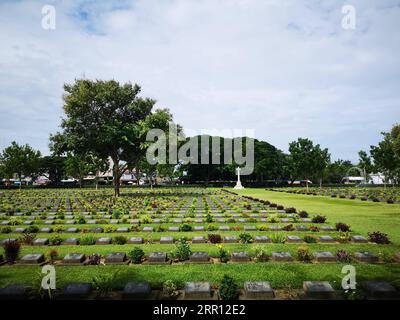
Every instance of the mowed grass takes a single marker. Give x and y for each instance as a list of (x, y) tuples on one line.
[(281, 275), (363, 217)]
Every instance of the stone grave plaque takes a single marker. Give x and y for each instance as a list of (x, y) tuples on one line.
[(281, 256), (198, 228), (240, 257), (379, 290), (230, 239), (198, 239), (197, 290), (148, 229), (123, 229), (115, 257), (301, 228), (135, 240), (318, 289), (103, 241), (359, 239), (262, 239), (157, 257), (249, 228), (327, 228), (224, 228), (74, 258), (324, 256), (32, 258), (293, 239), (366, 256), (77, 290), (71, 242), (71, 230), (13, 292), (136, 290), (173, 229), (41, 242), (258, 290), (45, 230), (326, 239), (20, 230), (199, 257), (275, 228), (167, 239)]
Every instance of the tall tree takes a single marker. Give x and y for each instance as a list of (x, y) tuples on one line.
[(365, 163), (308, 161), (78, 166), (386, 159), (52, 167), (104, 118), (21, 160)]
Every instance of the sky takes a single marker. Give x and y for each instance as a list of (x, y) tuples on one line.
[(285, 69)]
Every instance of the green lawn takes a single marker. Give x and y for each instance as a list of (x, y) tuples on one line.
[(363, 217)]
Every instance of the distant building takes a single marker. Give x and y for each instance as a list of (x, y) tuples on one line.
[(352, 180)]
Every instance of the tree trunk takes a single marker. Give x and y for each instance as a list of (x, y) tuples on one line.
[(116, 176)]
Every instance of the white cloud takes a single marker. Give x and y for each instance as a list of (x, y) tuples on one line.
[(284, 68)]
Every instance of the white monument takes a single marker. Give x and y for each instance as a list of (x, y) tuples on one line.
[(238, 183)]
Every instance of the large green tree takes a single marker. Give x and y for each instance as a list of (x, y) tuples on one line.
[(385, 157), (78, 166), (308, 161), (21, 160), (104, 118)]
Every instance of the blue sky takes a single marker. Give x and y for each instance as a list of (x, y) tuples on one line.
[(286, 69)]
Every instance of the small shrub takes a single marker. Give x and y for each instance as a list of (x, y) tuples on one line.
[(119, 240), (6, 230), (280, 207), (340, 226), (88, 240), (228, 289), (105, 283), (209, 218), (222, 253), (278, 238), (343, 237), (310, 239), (290, 210), (318, 219), (288, 227), (343, 256), (81, 220), (387, 257), (182, 250), (11, 250), (32, 229), (185, 228), (211, 227), (304, 254), (136, 255), (109, 229), (260, 254), (214, 238), (28, 238), (245, 238), (56, 241), (390, 201), (379, 237), (52, 254), (169, 288), (314, 229)]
